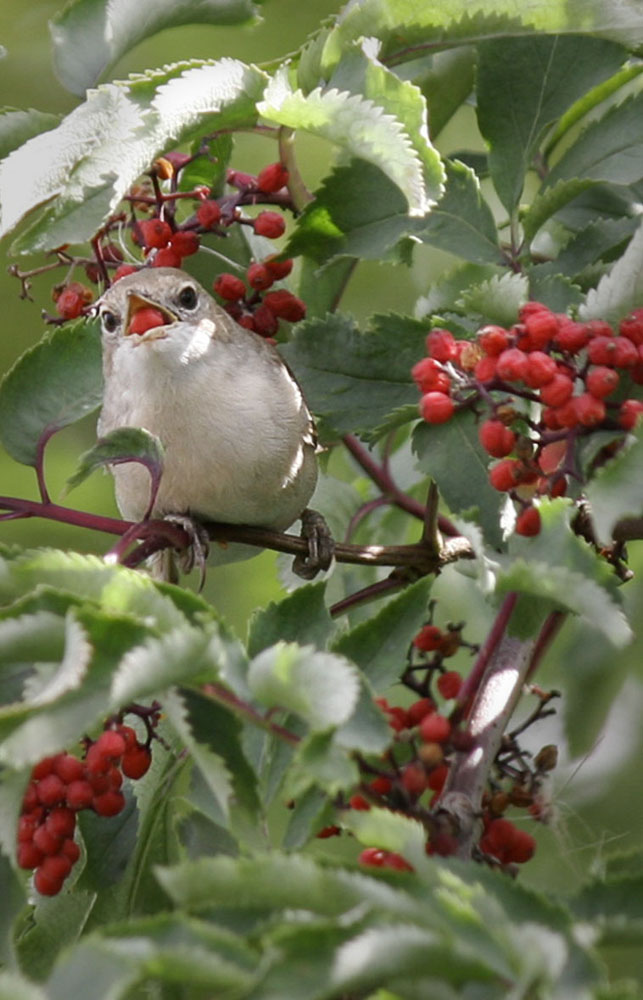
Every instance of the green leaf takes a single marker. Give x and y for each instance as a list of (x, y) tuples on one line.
[(182, 654), (358, 125), (125, 444), (351, 379), (379, 646), (451, 455), (608, 150), (322, 688), (588, 245), (462, 222), (390, 831), (621, 290), (13, 986), (89, 36), (17, 126), (321, 288), (498, 299), (549, 201), (402, 24), (358, 211), (73, 171), (52, 385), (616, 491), (516, 108), (301, 617), (556, 291), (446, 83), (319, 761)]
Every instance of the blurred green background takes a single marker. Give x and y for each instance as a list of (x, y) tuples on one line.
[(600, 805)]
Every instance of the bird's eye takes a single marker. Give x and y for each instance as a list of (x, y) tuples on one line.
[(188, 297), (110, 321)]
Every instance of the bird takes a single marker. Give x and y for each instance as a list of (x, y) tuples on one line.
[(239, 440)]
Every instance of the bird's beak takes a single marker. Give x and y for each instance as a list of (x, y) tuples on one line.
[(145, 317)]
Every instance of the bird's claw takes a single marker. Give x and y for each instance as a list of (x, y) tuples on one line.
[(321, 546), (196, 553)]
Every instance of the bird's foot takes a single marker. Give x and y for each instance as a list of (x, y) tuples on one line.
[(195, 554), (321, 546)]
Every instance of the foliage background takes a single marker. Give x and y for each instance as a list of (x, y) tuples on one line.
[(599, 794)]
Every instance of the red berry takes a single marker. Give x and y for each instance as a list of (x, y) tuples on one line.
[(436, 408), (122, 272), (229, 287), (359, 802), (46, 886), (449, 684), (61, 822), (114, 778), (512, 365), (632, 327), (630, 413), (493, 340), (485, 369), (381, 785), (437, 777), (129, 735), (111, 744), (540, 324), (79, 795), (541, 369), (626, 354), (328, 831), (56, 866), (29, 856), (414, 779), (46, 841), (505, 475), (567, 415), (272, 178), (430, 376), (372, 856), (70, 849), (270, 225), (589, 409), (154, 233), (558, 391), (68, 768), (571, 336), (167, 257), (416, 712), (435, 728), (442, 844), (602, 350), (441, 346), (397, 862), (185, 243), (285, 305), (50, 790), (96, 762), (27, 824), (279, 269), (601, 381), (30, 798), (109, 803), (208, 214), (528, 522), (145, 319), (397, 719), (72, 300), (496, 439), (428, 638), (265, 322), (136, 762), (259, 277)]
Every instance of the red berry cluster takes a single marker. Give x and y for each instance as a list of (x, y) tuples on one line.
[(62, 785), (166, 247), (568, 368), (72, 299), (506, 843), (376, 858), (250, 307)]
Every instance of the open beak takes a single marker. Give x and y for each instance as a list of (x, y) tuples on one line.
[(145, 318)]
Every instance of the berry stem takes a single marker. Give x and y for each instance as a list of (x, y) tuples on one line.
[(498, 693), (299, 193)]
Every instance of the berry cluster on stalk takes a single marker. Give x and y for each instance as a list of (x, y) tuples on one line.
[(537, 387), (426, 736), (162, 240), (62, 785)]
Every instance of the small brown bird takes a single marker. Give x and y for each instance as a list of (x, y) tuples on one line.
[(239, 439)]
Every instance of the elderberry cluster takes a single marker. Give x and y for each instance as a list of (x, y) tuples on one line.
[(165, 242), (426, 736), (540, 385), (62, 785)]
